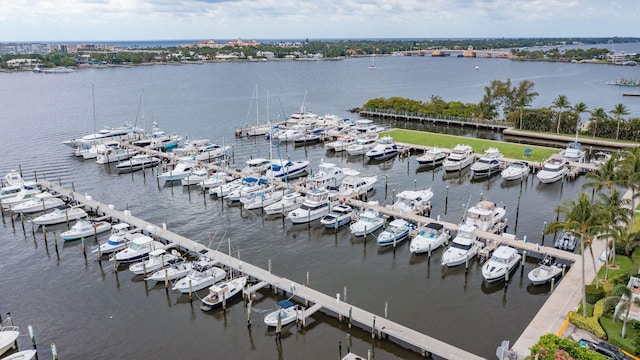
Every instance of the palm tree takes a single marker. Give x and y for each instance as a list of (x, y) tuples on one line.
[(596, 115), (618, 111), (583, 219), (615, 221), (630, 173), (606, 175), (622, 295), (560, 103), (579, 108), (523, 96)]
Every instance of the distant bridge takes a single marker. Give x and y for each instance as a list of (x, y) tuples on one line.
[(458, 52)]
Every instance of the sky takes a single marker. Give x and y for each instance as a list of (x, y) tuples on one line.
[(123, 20)]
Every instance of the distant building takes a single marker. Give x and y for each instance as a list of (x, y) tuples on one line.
[(266, 54), (620, 58), (23, 48), (212, 44)]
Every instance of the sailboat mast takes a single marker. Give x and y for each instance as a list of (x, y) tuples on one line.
[(257, 111)]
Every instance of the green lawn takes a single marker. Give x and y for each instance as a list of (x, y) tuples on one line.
[(509, 150)]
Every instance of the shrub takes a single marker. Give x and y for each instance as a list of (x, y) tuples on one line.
[(594, 294), (590, 324), (551, 347)]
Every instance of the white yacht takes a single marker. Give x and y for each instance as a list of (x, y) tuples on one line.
[(433, 157), (315, 205), (41, 202), (328, 176), (128, 131), (202, 275), (285, 169), (289, 202), (573, 153), (261, 199), (396, 231), (117, 240), (429, 238), (138, 162), (384, 149), (485, 215), (59, 215), (256, 167), (488, 164), (408, 201), (158, 259), (197, 176), (368, 221), (362, 145), (84, 229), (184, 167), (354, 184), (460, 157), (211, 152), (341, 143), (175, 270), (108, 155), (137, 249), (503, 260), (552, 170), (463, 247), (25, 194), (222, 292), (517, 170), (339, 215)]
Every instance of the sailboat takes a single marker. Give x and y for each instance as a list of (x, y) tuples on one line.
[(258, 129), (373, 62)]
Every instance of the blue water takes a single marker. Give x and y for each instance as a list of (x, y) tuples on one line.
[(89, 311)]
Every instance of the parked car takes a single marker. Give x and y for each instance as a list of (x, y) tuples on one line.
[(607, 350)]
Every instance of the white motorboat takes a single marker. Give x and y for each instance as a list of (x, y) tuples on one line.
[(566, 241), (600, 157), (517, 170), (59, 215), (114, 155), (368, 221), (328, 176), (485, 215), (289, 202), (573, 153), (384, 149), (214, 180), (354, 184), (341, 143), (408, 201), (362, 145), (285, 169), (249, 186), (91, 152), (125, 132), (294, 133), (503, 260), (138, 248), (222, 292), (552, 170), (546, 270), (223, 190), (256, 167), (260, 199), (138, 162), (315, 205), (25, 194), (286, 312), (429, 238), (174, 270), (13, 184), (459, 158), (22, 355), (184, 167), (8, 337), (84, 229), (158, 259), (197, 176), (433, 157), (202, 275), (41, 202), (340, 214), (396, 231), (13, 178), (463, 247), (488, 164), (211, 152), (158, 139), (117, 240)]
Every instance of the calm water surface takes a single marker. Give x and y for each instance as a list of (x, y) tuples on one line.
[(90, 311)]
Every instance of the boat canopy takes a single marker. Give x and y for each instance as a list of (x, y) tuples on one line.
[(435, 226), (284, 304)]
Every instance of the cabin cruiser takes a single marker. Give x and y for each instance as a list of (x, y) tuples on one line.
[(117, 240), (463, 247), (128, 131), (429, 238), (503, 260), (338, 215), (158, 259), (552, 170), (25, 194), (285, 169), (138, 248), (222, 292), (433, 157), (184, 167), (59, 215), (411, 200), (600, 157), (197, 176), (485, 215), (368, 221), (315, 205), (138, 162), (362, 145), (329, 176), (573, 153), (289, 202), (249, 186), (261, 198), (517, 170), (256, 167), (354, 184), (341, 143), (396, 231), (203, 274), (40, 202), (211, 152), (488, 164), (384, 149), (85, 228), (459, 158)]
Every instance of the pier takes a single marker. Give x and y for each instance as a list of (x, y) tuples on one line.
[(433, 119)]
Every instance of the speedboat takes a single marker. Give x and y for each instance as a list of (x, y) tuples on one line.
[(289, 202), (398, 230), (546, 270), (463, 247), (197, 176), (184, 167), (431, 237), (202, 275), (85, 228), (552, 171), (158, 259), (459, 158), (517, 170), (488, 164), (566, 241), (338, 215), (8, 337), (328, 176), (432, 157), (315, 205), (175, 269), (222, 292), (138, 248), (138, 162), (281, 169), (354, 184), (286, 312), (22, 355), (411, 200), (117, 240), (260, 199), (503, 260), (41, 202), (384, 149), (362, 145), (485, 215), (573, 153), (368, 221), (59, 215)]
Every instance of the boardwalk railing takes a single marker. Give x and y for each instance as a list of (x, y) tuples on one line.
[(415, 116)]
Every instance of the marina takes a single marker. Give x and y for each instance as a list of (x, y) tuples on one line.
[(377, 282)]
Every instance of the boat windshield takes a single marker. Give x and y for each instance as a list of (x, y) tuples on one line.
[(460, 246)]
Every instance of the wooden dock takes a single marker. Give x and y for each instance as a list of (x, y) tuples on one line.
[(378, 325)]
